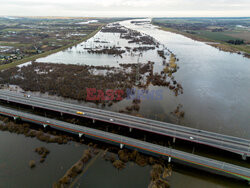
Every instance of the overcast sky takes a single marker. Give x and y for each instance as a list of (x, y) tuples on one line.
[(149, 8)]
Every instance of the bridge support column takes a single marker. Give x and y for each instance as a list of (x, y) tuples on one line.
[(244, 157), (80, 135), (130, 129), (193, 150), (61, 114), (121, 146), (169, 159), (174, 140), (33, 107), (93, 120), (44, 125)]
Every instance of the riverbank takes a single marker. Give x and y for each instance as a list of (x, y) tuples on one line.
[(217, 44), (34, 57)]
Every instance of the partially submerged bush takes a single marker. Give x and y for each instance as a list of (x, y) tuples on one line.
[(32, 164), (119, 164), (123, 156)]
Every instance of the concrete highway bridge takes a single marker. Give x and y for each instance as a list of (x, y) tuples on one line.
[(229, 143), (210, 165)]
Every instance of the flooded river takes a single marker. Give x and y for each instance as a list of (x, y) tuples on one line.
[(17, 150), (216, 84), (216, 88)]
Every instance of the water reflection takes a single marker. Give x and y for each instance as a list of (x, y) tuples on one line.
[(216, 84), (17, 150)]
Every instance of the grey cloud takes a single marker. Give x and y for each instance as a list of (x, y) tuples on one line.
[(121, 7)]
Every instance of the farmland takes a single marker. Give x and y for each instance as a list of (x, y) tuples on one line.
[(230, 34), (26, 39)]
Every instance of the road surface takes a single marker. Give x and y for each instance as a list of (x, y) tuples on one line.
[(204, 163), (229, 143)]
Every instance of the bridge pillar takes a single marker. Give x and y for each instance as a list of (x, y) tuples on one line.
[(174, 140), (130, 129), (16, 118), (93, 120), (121, 146), (44, 125), (33, 107), (244, 157), (193, 150), (169, 159), (80, 135), (61, 114)]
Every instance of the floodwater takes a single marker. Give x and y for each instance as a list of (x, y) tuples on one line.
[(216, 84), (17, 150), (216, 98)]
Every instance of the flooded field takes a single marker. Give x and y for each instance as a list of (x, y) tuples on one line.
[(215, 83), (212, 94), (17, 150)]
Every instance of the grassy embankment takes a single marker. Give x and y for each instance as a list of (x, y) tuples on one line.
[(34, 57), (215, 43)]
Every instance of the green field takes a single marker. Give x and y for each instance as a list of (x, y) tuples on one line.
[(219, 30), (220, 36), (34, 57)]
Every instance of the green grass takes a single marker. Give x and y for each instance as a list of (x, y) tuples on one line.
[(176, 21), (219, 36), (243, 48), (224, 46), (15, 30), (14, 44), (34, 57)]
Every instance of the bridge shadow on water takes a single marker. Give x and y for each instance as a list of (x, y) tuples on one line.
[(182, 145)]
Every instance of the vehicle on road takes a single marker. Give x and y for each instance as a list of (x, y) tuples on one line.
[(80, 113)]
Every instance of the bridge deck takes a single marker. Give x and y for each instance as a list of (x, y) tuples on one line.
[(225, 142), (191, 159)]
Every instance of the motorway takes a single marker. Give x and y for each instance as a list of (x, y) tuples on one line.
[(204, 163), (225, 142)]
